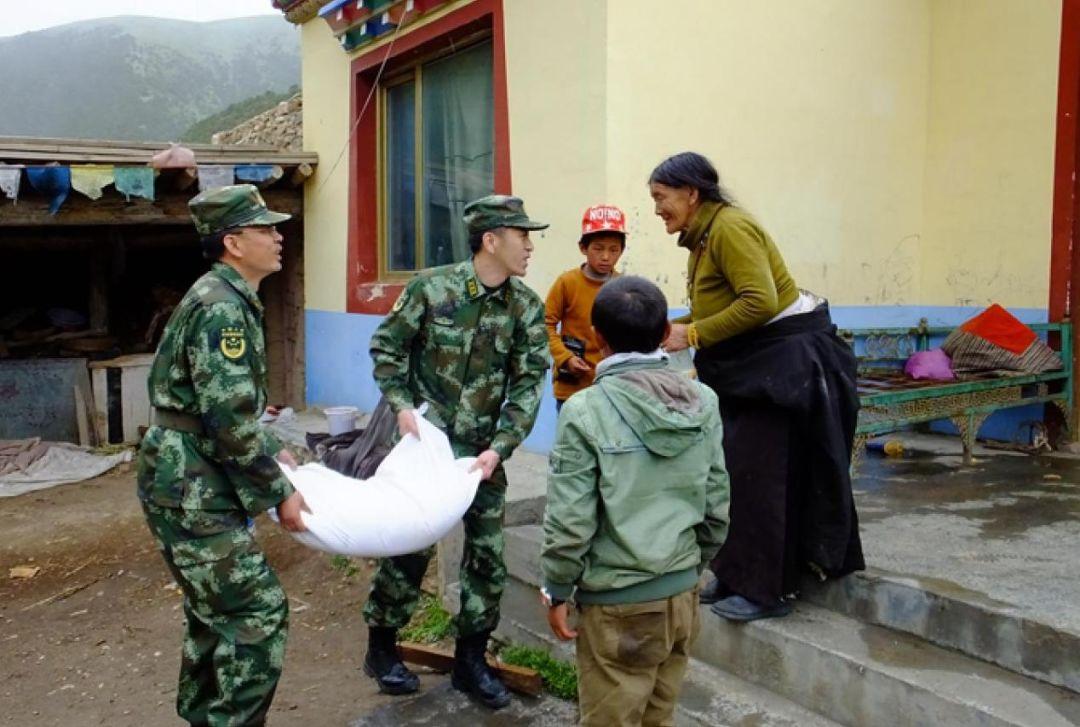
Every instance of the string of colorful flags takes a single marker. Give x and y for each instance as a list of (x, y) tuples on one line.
[(56, 181), (358, 22)]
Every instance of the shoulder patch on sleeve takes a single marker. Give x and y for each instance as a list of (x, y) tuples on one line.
[(233, 343), (400, 302)]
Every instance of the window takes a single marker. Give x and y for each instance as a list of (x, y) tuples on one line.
[(437, 135), (418, 60)]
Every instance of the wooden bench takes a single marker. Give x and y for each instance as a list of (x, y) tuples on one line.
[(891, 401)]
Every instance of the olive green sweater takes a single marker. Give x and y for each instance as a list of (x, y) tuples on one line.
[(736, 279)]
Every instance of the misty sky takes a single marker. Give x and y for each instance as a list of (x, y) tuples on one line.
[(22, 17)]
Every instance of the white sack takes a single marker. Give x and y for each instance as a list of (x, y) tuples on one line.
[(415, 497)]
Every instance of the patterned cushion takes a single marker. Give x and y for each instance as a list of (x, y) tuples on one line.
[(995, 340)]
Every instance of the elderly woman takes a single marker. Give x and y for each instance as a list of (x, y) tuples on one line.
[(786, 384)]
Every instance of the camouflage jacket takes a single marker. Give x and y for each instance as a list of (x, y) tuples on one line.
[(477, 357), (211, 366)]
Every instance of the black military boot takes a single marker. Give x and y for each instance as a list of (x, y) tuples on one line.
[(472, 674), (383, 663)]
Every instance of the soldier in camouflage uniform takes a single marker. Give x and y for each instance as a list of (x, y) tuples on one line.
[(206, 466), (469, 340)]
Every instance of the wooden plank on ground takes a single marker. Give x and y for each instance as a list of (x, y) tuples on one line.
[(517, 678)]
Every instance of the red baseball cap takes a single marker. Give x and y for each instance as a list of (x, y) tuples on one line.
[(603, 218)]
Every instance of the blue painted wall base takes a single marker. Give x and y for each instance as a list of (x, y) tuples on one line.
[(339, 367)]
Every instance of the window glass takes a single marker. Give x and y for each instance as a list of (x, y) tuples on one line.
[(401, 176), (455, 160), (458, 121)]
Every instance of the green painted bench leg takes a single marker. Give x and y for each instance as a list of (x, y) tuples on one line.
[(969, 425)]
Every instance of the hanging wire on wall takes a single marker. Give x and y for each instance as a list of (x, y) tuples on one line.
[(364, 108)]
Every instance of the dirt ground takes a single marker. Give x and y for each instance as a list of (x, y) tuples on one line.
[(94, 637)]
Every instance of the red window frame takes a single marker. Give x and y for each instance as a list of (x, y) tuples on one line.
[(365, 293)]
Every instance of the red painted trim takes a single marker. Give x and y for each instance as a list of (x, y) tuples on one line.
[(1065, 232), (364, 292), (1065, 225), (501, 102)]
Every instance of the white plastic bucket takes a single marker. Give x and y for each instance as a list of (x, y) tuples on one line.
[(340, 419)]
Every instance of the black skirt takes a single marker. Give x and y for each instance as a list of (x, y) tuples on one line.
[(789, 404)]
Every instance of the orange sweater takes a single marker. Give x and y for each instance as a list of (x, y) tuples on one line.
[(568, 312)]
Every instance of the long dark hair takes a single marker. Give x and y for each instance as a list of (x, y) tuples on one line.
[(690, 169)]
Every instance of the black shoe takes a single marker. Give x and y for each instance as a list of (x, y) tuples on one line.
[(713, 592), (737, 608), (472, 674), (384, 665)]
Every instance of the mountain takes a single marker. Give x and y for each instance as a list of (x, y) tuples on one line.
[(140, 78), (237, 113)]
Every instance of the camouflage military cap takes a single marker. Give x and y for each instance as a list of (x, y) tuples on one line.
[(499, 210), (226, 208)]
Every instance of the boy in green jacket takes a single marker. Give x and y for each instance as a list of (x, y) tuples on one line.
[(637, 505)]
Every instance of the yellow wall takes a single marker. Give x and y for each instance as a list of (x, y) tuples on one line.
[(899, 151), (558, 121), (990, 152), (815, 120), (325, 77)]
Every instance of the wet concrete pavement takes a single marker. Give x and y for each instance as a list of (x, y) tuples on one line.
[(1005, 531), (444, 705)]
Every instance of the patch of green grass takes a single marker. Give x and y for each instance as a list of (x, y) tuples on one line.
[(560, 677), (344, 565), (429, 624)]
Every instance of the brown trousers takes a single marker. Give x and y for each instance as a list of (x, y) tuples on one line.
[(631, 660)]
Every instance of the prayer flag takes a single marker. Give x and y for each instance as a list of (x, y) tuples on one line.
[(90, 179), (212, 176), (254, 173), (54, 182), (135, 182), (10, 176)]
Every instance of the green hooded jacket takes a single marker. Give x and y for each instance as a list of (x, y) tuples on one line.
[(637, 499)]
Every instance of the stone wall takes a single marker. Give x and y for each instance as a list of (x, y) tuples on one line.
[(281, 126)]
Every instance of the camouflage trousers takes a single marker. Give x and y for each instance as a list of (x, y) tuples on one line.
[(236, 613), (395, 589)]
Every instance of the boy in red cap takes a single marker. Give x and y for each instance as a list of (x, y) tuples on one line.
[(569, 302)]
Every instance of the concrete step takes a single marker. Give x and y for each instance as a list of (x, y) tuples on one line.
[(526, 492), (522, 554), (852, 672), (710, 695), (955, 617), (861, 674)]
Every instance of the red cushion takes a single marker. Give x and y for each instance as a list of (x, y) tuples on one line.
[(1002, 328)]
